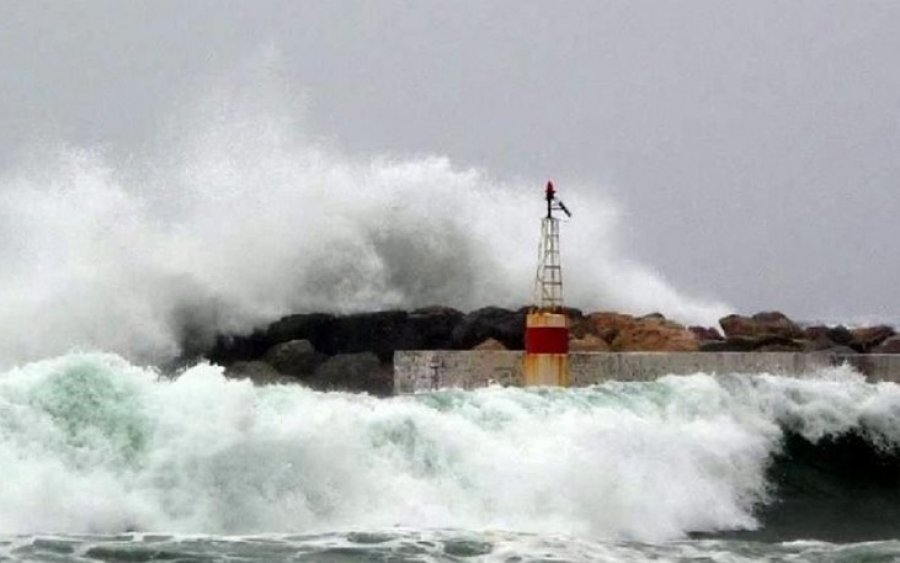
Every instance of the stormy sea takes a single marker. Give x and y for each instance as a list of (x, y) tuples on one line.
[(104, 460), (114, 263)]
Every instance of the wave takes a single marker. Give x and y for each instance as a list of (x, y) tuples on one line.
[(235, 216), (94, 444)]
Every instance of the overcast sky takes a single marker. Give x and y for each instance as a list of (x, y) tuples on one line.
[(753, 147)]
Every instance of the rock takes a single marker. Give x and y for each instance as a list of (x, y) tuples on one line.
[(785, 346), (866, 338), (233, 348), (382, 333), (760, 325), (579, 327), (826, 337), (656, 316), (839, 350), (490, 344), (361, 372), (491, 322), (729, 345), (295, 357), (741, 344), (706, 333), (260, 373), (433, 327), (891, 345), (840, 335), (651, 334), (816, 332), (317, 328), (589, 343), (607, 325)]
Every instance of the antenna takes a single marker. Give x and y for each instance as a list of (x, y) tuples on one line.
[(546, 324), (548, 280)]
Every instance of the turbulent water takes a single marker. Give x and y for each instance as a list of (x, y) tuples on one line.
[(236, 215), (106, 460)]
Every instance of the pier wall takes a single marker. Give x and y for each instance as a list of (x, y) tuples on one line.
[(433, 369)]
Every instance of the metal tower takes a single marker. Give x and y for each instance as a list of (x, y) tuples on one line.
[(546, 325), (548, 283)]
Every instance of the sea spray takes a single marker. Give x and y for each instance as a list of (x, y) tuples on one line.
[(238, 216), (203, 454)]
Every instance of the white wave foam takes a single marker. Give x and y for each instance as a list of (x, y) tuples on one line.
[(237, 218), (90, 443)]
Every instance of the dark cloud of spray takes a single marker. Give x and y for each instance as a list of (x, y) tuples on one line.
[(236, 217)]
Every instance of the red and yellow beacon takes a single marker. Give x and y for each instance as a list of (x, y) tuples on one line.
[(547, 326)]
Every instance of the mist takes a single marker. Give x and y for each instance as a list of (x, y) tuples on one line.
[(237, 216)]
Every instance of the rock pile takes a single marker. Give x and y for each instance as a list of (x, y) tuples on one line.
[(355, 352)]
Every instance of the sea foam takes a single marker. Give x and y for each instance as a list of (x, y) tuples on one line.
[(91, 443)]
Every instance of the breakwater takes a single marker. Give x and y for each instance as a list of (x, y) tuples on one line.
[(357, 352), (433, 369)]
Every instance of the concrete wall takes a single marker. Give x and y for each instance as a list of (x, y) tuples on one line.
[(421, 370)]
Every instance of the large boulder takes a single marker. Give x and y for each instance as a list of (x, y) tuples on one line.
[(654, 334), (432, 327), (816, 332), (589, 343), (867, 338), (579, 325), (296, 357), (650, 333), (823, 337), (729, 345), (840, 335), (607, 324), (705, 334), (361, 372), (229, 348), (889, 346), (785, 346), (317, 328), (381, 332), (491, 322), (490, 344), (260, 373), (761, 325)]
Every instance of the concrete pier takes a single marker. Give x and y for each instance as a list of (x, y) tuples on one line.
[(433, 369)]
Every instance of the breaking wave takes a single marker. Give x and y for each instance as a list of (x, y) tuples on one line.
[(92, 443), (236, 216)]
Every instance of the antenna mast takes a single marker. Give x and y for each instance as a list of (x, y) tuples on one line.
[(546, 325), (548, 284)]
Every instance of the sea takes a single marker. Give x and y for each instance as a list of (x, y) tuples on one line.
[(104, 460)]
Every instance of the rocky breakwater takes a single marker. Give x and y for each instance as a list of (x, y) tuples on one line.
[(774, 332), (355, 352)]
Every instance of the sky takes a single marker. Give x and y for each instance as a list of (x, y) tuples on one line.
[(752, 148)]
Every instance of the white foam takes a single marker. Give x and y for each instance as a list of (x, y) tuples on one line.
[(90, 443), (238, 217)]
